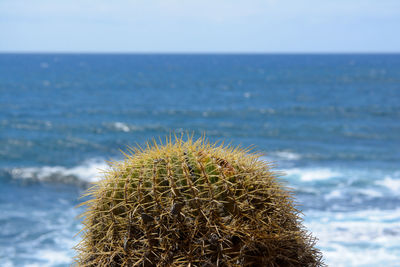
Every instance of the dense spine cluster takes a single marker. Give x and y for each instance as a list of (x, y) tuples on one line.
[(191, 203)]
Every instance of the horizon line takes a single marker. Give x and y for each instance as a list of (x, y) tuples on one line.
[(194, 53)]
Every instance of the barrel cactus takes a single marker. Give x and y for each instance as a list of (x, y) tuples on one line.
[(192, 203)]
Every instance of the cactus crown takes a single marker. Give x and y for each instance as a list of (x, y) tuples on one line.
[(192, 203)]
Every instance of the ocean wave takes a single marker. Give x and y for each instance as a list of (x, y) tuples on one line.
[(390, 183), (327, 182), (353, 194), (127, 127), (121, 126), (51, 257), (89, 171), (361, 238), (339, 188), (41, 228), (312, 174), (286, 155)]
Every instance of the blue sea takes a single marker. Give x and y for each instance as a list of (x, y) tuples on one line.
[(331, 123)]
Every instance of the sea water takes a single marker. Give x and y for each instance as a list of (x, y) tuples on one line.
[(331, 123)]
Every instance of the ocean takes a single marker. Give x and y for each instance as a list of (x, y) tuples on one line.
[(331, 123)]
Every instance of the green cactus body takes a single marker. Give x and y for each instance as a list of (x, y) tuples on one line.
[(191, 203)]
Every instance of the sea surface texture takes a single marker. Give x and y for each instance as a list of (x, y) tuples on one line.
[(331, 123)]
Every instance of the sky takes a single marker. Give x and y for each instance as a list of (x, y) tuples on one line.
[(206, 26)]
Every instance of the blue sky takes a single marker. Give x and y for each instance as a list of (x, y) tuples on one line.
[(171, 26)]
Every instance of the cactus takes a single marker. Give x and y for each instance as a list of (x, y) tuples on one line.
[(192, 203)]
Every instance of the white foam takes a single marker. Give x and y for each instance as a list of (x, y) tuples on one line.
[(287, 155), (359, 238), (334, 194), (370, 192), (89, 171), (126, 127), (121, 126), (53, 257), (311, 174), (390, 183), (341, 256)]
